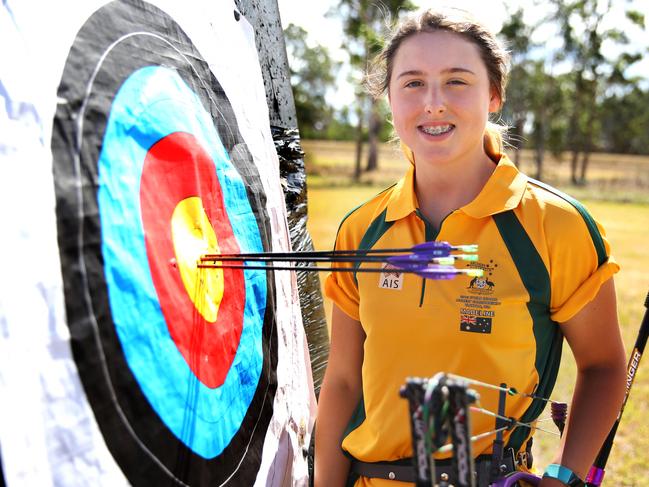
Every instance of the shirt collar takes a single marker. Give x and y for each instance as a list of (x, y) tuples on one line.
[(504, 189), (403, 200)]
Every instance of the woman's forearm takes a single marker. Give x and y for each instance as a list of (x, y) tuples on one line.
[(336, 405), (594, 338), (340, 394), (596, 402)]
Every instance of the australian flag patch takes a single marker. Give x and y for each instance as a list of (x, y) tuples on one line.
[(475, 324)]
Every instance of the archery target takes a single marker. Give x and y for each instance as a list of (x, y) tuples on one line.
[(150, 173)]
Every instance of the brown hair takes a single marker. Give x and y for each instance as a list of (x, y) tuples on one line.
[(494, 56)]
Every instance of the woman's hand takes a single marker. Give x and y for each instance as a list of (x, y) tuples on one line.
[(548, 482)]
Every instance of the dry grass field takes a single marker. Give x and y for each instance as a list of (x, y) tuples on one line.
[(617, 195)]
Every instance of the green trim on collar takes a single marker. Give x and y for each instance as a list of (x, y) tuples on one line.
[(374, 232), (598, 240)]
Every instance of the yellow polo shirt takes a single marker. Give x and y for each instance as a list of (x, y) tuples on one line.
[(544, 258)]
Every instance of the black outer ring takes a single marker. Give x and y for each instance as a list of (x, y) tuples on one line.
[(146, 451)]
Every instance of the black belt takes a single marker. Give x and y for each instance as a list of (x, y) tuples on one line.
[(403, 470)]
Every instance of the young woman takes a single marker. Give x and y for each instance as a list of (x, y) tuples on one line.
[(548, 275)]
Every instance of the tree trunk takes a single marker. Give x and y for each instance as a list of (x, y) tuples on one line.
[(590, 127), (517, 158), (359, 143), (540, 147), (585, 159), (573, 166), (585, 154), (576, 136), (518, 140), (541, 138), (373, 137), (540, 155)]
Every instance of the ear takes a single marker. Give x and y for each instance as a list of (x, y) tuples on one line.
[(495, 103)]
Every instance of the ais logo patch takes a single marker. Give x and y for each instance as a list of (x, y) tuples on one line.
[(391, 278)]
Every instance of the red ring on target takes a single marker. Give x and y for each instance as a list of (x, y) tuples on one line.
[(182, 204)]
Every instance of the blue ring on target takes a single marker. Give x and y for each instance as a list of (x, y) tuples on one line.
[(152, 103)]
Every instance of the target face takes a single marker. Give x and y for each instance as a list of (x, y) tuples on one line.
[(151, 172)]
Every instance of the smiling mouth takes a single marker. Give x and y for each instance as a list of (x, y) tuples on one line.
[(437, 129)]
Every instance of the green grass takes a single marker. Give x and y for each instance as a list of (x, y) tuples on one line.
[(611, 177), (331, 197)]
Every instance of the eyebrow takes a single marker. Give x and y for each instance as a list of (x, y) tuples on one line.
[(416, 72)]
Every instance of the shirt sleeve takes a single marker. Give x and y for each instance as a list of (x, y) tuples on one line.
[(580, 262), (341, 287)]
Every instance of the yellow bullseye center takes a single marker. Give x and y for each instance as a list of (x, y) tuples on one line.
[(193, 236)]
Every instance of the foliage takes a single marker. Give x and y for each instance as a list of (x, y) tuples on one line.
[(571, 93), (575, 109), (586, 27), (516, 35), (365, 24), (313, 74), (625, 122), (341, 128), (518, 107)]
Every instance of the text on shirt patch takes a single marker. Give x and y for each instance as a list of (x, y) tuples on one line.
[(477, 308), (391, 278)]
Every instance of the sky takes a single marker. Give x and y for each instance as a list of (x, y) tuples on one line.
[(327, 30)]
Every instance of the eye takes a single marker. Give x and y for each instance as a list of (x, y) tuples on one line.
[(413, 84), (458, 82)]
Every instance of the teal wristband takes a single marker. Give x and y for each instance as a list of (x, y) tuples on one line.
[(563, 474)]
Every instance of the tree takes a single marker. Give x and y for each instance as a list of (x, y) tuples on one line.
[(548, 103), (535, 98), (341, 127), (364, 24), (584, 32), (313, 74), (625, 122), (517, 36)]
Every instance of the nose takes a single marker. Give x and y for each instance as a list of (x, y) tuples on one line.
[(435, 102)]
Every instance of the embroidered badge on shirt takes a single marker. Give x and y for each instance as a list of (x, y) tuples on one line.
[(391, 278), (478, 307), (484, 284), (475, 324)]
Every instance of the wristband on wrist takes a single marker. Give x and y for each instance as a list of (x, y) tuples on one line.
[(563, 474)]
